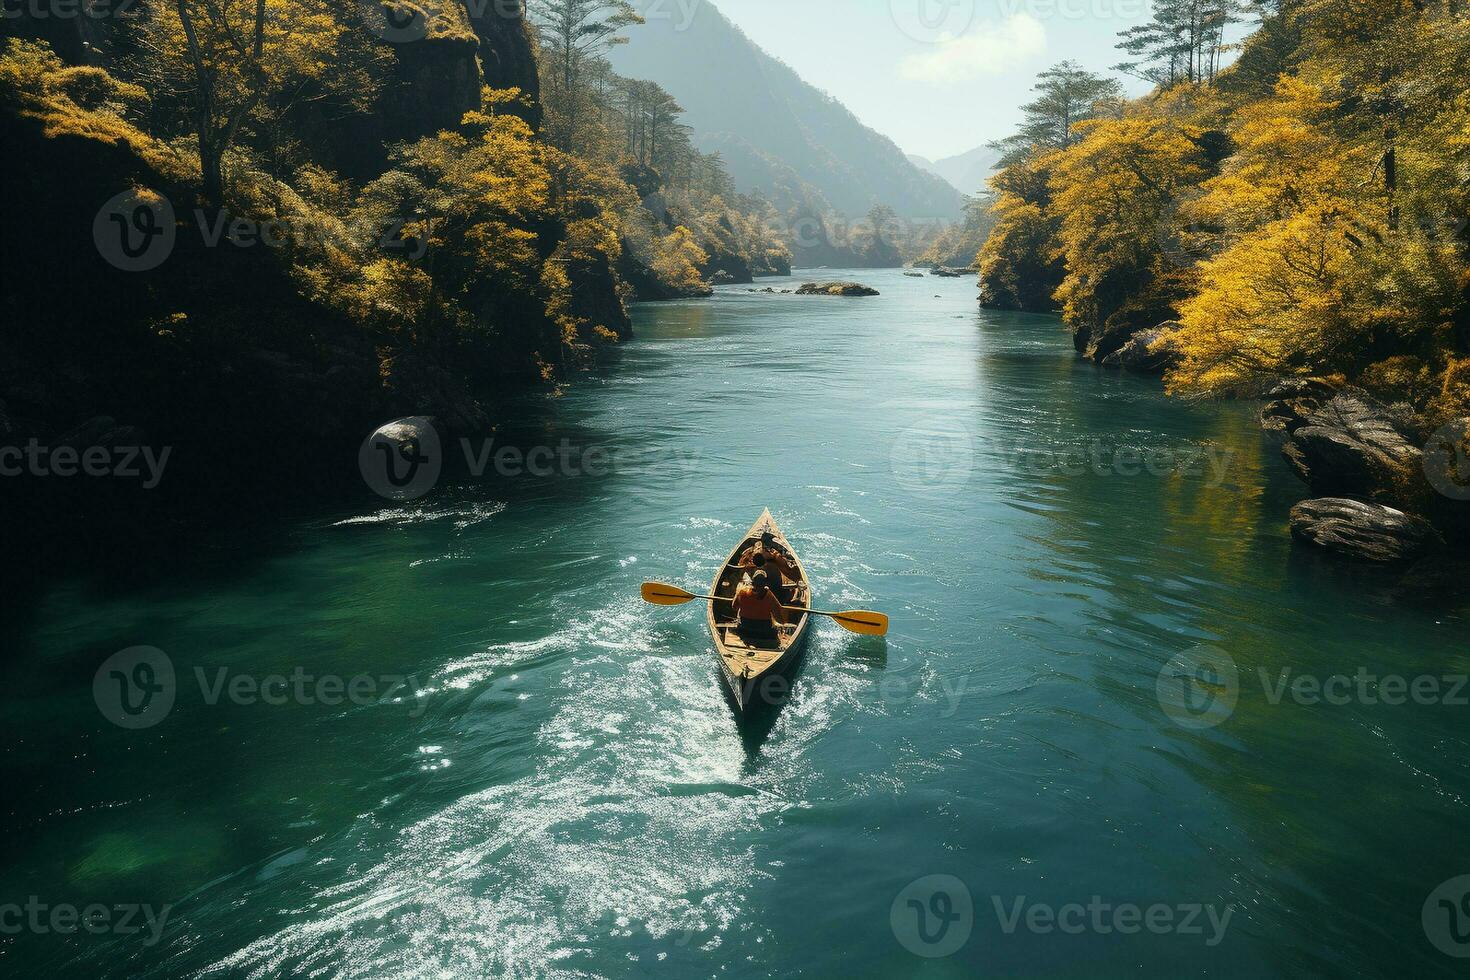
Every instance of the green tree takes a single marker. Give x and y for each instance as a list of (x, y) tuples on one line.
[(575, 34), (1066, 94), (1184, 41)]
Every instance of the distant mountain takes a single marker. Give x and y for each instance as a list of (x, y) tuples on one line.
[(966, 172), (779, 136)]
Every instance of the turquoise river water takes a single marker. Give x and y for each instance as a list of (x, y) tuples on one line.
[(557, 786)]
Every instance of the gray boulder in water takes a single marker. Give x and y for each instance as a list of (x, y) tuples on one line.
[(1369, 531), (1146, 352), (836, 289)]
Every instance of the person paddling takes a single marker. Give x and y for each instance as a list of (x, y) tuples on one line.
[(757, 608), (769, 557)]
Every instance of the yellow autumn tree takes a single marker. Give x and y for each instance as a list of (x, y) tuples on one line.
[(226, 66), (1337, 226), (1117, 191), (1274, 303), (677, 260), (1021, 262)]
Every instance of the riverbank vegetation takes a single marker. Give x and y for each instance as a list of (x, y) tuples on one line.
[(685, 225), (366, 211), (1300, 211)]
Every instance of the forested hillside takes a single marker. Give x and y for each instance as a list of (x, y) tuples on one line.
[(797, 147), (298, 216), (1296, 223), (1302, 211), (690, 225)]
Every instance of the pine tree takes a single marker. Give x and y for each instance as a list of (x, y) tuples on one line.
[(1066, 94), (575, 34), (1183, 43)]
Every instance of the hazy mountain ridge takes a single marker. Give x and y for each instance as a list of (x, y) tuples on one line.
[(780, 136), (966, 172)]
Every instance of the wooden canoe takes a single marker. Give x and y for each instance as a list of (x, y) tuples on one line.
[(749, 665)]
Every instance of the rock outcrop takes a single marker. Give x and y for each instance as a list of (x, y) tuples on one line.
[(1370, 531), (1365, 462), (1293, 401), (1118, 312), (436, 77), (1351, 446), (836, 289), (508, 54), (1146, 352), (649, 288), (944, 272)]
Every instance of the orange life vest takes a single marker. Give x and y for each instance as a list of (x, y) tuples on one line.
[(753, 609)]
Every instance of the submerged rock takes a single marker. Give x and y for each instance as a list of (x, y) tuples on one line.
[(836, 289), (914, 275), (1370, 531)]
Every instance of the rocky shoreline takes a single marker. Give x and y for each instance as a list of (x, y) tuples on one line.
[(1385, 486)]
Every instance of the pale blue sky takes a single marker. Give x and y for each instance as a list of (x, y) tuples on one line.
[(939, 77)]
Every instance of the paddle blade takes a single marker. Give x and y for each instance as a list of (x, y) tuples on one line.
[(863, 622), (661, 594)]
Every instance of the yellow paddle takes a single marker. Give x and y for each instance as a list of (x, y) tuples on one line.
[(859, 621)]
